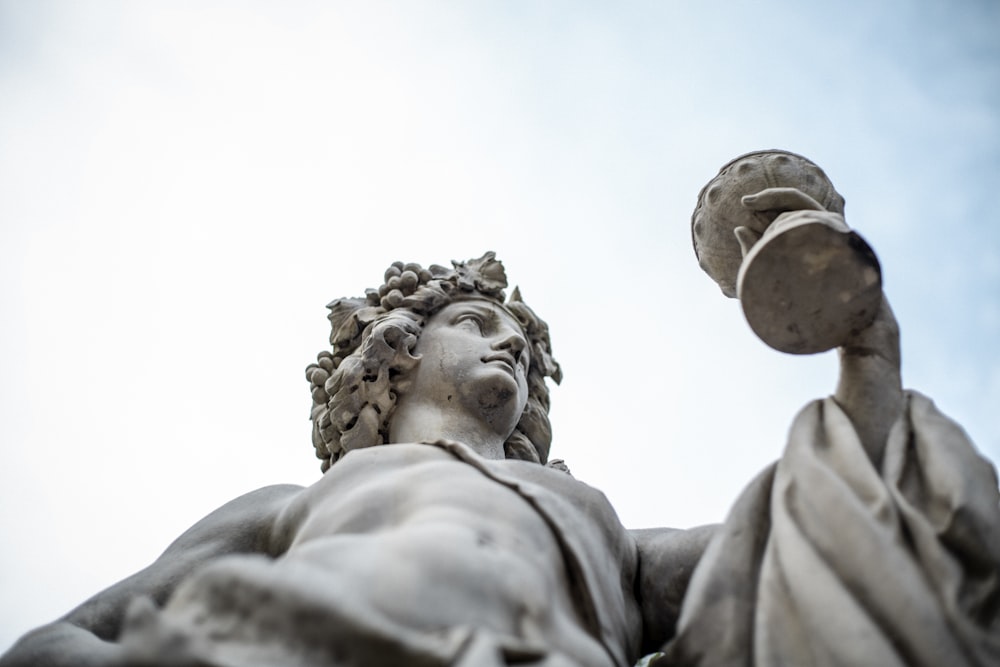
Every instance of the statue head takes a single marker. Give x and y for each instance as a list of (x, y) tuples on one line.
[(355, 385)]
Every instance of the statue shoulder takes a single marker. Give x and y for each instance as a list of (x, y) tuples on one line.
[(246, 524)]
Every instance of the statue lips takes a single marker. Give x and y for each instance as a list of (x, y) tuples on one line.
[(504, 358)]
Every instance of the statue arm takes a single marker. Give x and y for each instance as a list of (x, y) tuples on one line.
[(87, 635), (667, 558), (869, 388)]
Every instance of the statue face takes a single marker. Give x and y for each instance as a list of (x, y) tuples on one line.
[(474, 356)]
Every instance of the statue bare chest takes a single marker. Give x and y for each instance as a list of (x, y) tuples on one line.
[(410, 523), (409, 487)]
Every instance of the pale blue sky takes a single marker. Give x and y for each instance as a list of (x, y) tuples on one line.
[(183, 186)]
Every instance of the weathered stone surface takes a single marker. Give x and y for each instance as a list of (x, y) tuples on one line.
[(721, 209), (442, 534), (808, 284), (875, 539)]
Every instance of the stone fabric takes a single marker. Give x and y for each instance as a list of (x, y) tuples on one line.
[(825, 560)]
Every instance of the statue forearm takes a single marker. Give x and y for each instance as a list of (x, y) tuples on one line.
[(667, 558), (870, 387)]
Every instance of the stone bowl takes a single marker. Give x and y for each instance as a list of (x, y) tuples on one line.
[(808, 282), (808, 286), (719, 210)]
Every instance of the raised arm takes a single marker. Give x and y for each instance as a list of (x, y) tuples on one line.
[(87, 635), (869, 387)]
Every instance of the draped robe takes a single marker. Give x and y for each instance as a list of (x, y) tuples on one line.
[(825, 560)]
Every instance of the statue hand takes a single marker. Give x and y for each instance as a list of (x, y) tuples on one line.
[(792, 218), (781, 200), (807, 283), (786, 207), (791, 205)]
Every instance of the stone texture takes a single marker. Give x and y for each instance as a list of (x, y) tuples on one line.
[(827, 560), (720, 209), (875, 539), (441, 533)]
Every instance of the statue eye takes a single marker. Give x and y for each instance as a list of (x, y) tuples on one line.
[(477, 320)]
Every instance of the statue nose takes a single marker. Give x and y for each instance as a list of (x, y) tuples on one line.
[(513, 342)]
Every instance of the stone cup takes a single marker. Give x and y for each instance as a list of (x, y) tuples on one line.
[(806, 282)]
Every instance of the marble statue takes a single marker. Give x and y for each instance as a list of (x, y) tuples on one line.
[(874, 540), (458, 544)]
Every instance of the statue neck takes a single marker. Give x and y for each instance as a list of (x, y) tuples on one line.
[(413, 421)]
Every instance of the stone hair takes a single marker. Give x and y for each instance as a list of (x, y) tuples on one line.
[(354, 386)]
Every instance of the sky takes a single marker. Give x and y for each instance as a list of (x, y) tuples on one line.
[(185, 185)]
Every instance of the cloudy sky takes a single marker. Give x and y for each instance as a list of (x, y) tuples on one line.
[(185, 185)]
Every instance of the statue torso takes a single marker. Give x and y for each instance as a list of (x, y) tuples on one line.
[(433, 542)]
